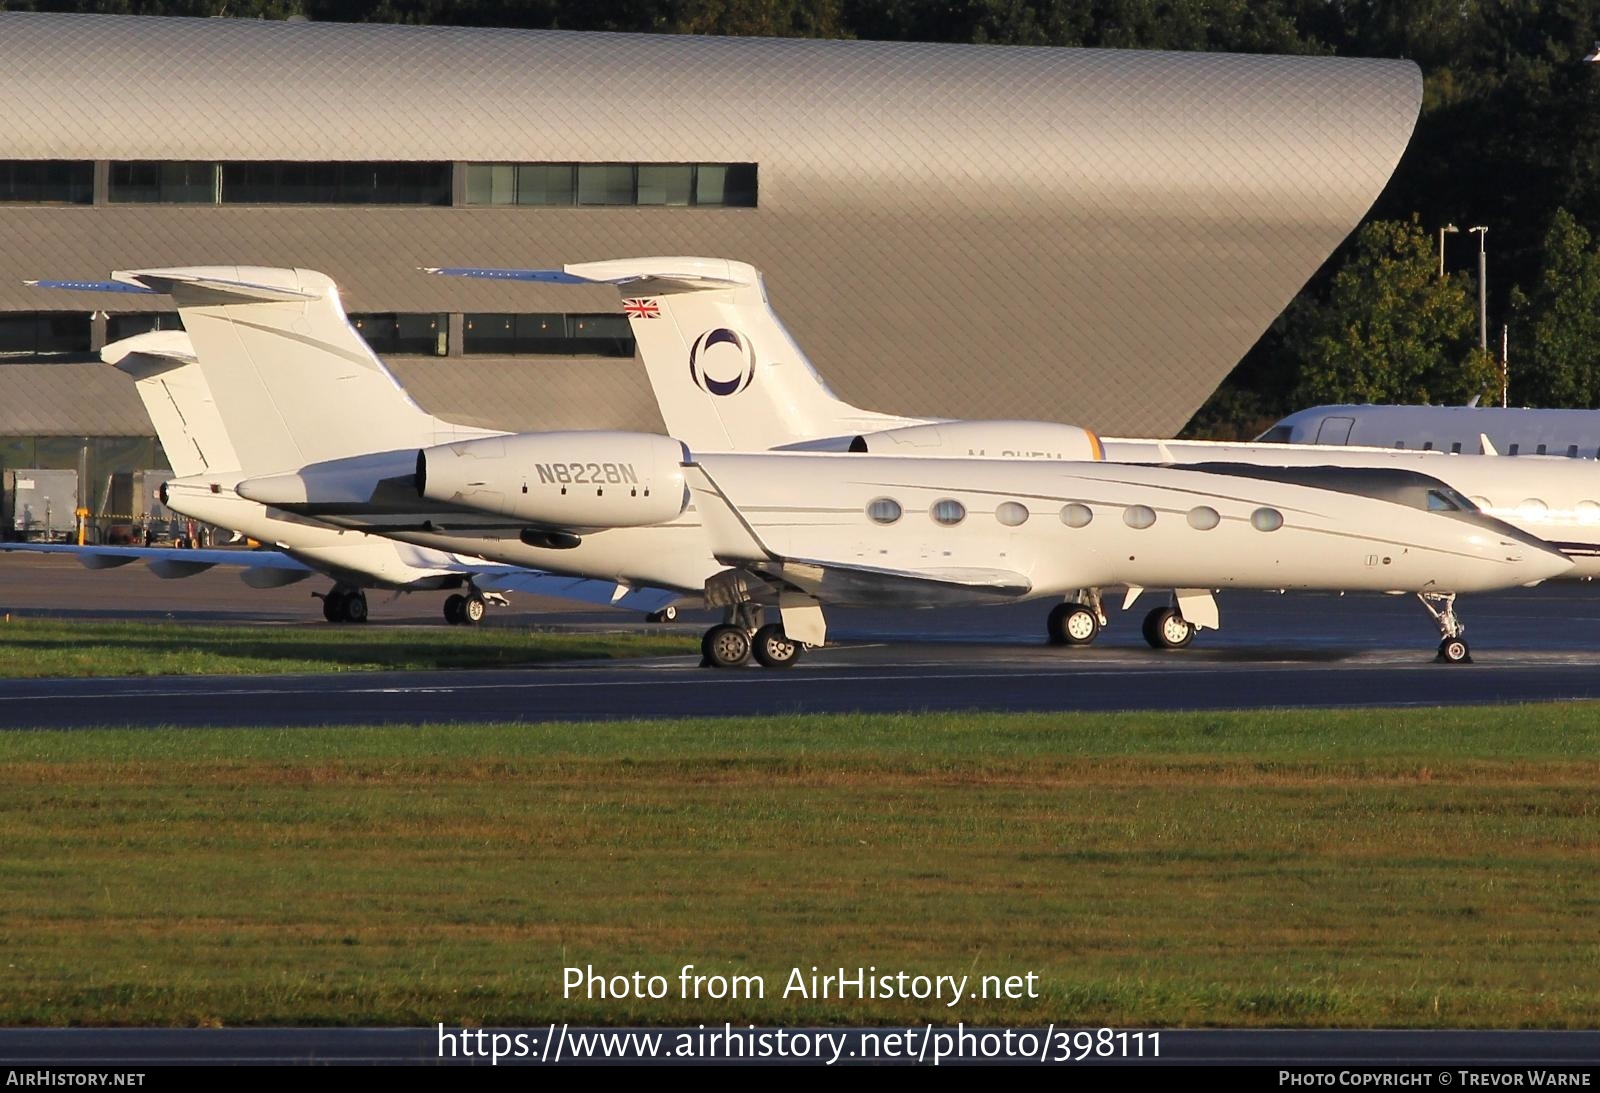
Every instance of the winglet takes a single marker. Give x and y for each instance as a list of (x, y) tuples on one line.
[(1486, 446)]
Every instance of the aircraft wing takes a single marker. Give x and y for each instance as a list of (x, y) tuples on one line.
[(582, 589), (172, 563), (169, 562), (847, 584)]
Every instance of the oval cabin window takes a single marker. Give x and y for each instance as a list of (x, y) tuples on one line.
[(1265, 519)]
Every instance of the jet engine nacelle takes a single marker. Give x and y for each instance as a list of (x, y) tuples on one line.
[(578, 480), (995, 439)]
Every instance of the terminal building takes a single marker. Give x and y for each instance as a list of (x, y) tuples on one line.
[(961, 231)]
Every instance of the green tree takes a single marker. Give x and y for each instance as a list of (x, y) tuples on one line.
[(1391, 329), (1557, 325)]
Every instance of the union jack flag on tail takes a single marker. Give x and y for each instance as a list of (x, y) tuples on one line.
[(641, 309)]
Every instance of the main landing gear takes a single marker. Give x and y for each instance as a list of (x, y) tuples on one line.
[(341, 604), (666, 614), (730, 644), (1078, 621), (1166, 628), (1452, 646), (466, 610)]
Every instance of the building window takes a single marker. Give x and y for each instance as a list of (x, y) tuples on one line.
[(46, 181), (601, 184), (275, 183), (424, 335), (555, 335), (126, 326), (172, 182), (43, 333)]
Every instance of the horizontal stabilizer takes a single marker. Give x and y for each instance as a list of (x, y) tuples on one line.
[(94, 286), (222, 283), (662, 275), (149, 353)]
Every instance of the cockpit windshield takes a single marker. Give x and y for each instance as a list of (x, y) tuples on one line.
[(1445, 499)]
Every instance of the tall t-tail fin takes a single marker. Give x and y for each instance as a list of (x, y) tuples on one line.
[(725, 372), (175, 394), (292, 379)]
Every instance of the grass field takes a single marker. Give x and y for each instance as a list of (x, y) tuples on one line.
[(38, 648), (1409, 868)]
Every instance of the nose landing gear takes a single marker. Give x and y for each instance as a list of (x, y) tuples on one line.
[(1452, 646)]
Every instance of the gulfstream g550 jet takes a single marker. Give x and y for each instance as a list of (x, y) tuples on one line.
[(790, 531), (729, 377), (174, 392)]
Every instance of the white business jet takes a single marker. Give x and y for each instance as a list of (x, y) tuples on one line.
[(729, 377), (174, 392), (1513, 430), (790, 531)]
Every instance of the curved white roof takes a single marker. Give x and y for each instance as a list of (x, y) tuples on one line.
[(955, 230)]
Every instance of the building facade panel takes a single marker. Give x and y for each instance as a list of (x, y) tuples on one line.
[(1091, 236)]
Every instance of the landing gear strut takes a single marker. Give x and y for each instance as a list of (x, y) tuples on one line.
[(341, 604), (1166, 628), (1078, 621), (1452, 647)]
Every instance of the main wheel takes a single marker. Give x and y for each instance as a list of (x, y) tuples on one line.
[(773, 649), (473, 609), (725, 646), (452, 608), (1455, 651), (1072, 624), (666, 614), (333, 606), (1164, 628), (353, 607)]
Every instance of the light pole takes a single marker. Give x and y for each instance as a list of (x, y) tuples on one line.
[(1483, 289), (1452, 229)]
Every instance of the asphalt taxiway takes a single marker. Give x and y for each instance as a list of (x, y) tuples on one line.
[(1273, 651)]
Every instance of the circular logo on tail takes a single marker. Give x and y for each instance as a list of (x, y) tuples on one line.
[(722, 362)]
